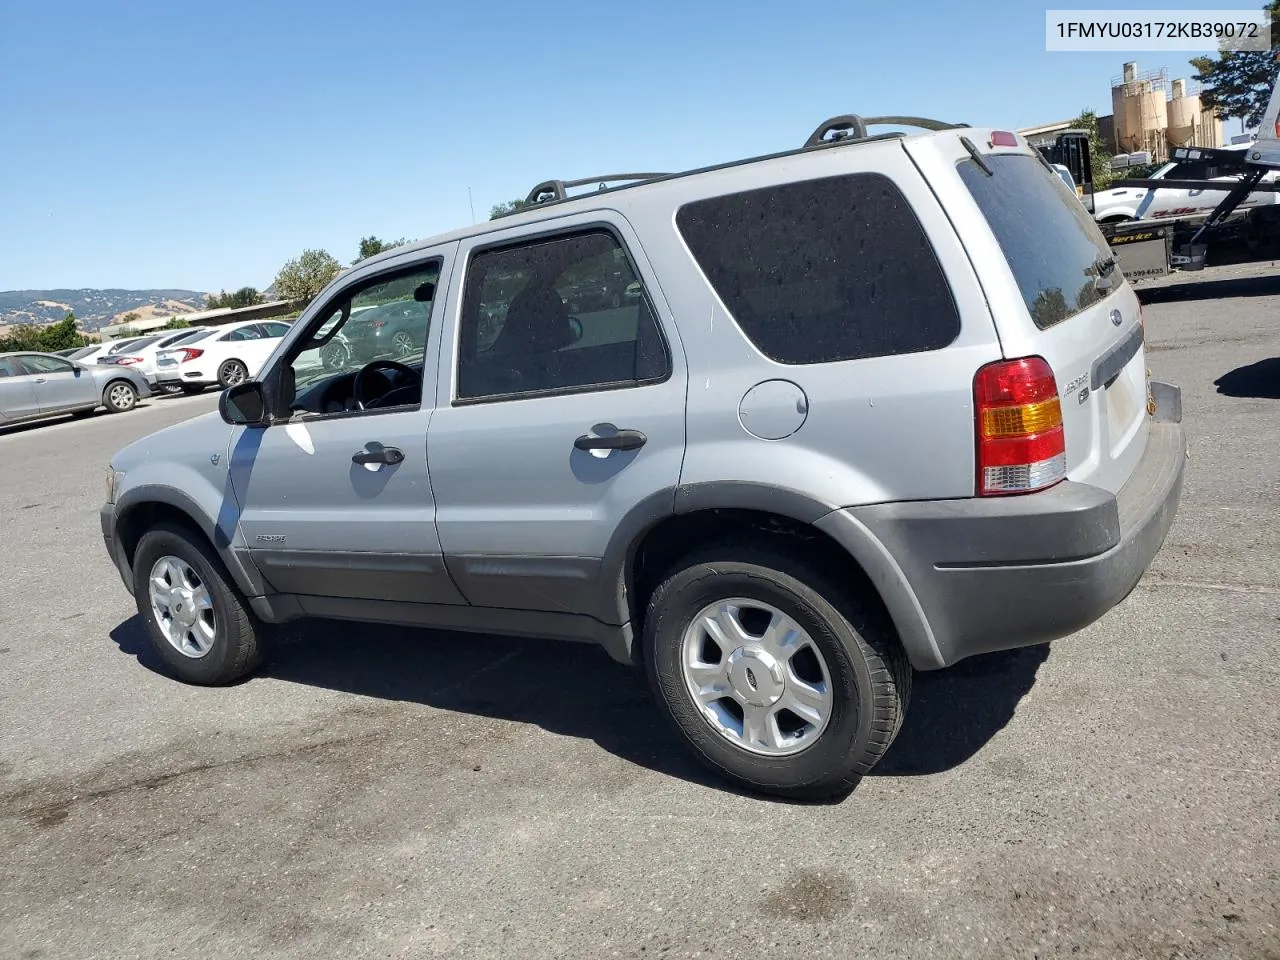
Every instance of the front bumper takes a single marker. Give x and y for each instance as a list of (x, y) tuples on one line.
[(107, 518), (998, 573)]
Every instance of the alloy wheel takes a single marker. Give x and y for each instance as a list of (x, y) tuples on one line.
[(757, 677), (182, 607)]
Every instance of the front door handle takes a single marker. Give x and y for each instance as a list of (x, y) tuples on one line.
[(622, 440), (381, 455)]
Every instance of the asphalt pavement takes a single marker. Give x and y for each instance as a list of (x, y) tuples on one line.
[(379, 792)]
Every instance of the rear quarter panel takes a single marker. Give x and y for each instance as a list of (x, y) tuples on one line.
[(877, 429), (1105, 432)]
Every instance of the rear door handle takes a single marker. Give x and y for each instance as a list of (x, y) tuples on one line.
[(383, 455), (622, 440)]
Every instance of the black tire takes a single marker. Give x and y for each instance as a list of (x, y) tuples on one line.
[(237, 643), (119, 396), (870, 674), (335, 355), (191, 389), (232, 372)]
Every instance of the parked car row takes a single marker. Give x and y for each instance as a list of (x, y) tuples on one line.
[(117, 373)]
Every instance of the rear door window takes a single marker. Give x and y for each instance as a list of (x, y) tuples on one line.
[(1053, 246), (823, 270)]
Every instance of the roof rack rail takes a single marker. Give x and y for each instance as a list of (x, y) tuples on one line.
[(851, 126), (550, 191)]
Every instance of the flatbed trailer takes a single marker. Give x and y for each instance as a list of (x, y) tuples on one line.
[(1149, 248)]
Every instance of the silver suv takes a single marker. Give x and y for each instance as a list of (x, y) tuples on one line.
[(874, 404)]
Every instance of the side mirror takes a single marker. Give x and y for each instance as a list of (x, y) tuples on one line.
[(244, 404), (425, 292), (576, 326)]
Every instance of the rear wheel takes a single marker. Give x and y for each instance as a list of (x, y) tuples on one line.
[(196, 620), (774, 675), (231, 373), (119, 396), (335, 355)]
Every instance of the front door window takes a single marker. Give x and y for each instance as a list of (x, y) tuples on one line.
[(367, 353)]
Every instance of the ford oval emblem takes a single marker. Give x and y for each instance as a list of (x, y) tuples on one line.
[(1116, 319)]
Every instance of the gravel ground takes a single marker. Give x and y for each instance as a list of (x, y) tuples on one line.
[(382, 793)]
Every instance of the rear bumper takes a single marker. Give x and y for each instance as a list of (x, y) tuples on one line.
[(994, 574)]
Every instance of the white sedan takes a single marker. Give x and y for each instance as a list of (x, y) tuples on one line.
[(1138, 203), (228, 355), (142, 354)]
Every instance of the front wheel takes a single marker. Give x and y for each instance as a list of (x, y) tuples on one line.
[(196, 620), (776, 677), (402, 343), (119, 397), (231, 373)]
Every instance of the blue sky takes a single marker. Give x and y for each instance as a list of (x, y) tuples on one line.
[(200, 145)]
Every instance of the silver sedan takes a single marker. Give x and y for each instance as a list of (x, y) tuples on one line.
[(35, 385)]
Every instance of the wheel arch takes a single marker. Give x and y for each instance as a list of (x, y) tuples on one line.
[(650, 540), (141, 508), (112, 382)]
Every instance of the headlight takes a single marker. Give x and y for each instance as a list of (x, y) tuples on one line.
[(114, 477)]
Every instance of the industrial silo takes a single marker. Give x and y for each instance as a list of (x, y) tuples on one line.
[(1184, 118)]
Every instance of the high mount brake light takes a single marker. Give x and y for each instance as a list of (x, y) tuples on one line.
[(1018, 422), (1003, 138)]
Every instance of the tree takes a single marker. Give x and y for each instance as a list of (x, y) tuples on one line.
[(1099, 151), (1238, 83), (131, 317), (303, 278), (176, 323), (502, 209), (62, 335), (244, 297), (371, 246)]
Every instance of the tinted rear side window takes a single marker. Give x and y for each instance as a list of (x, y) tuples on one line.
[(1044, 231), (824, 270)]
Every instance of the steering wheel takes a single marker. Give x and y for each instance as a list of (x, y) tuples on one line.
[(401, 370)]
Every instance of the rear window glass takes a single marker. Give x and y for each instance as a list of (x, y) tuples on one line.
[(824, 270), (1049, 239)]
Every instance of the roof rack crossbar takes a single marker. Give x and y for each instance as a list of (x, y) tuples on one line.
[(851, 126), (550, 191)]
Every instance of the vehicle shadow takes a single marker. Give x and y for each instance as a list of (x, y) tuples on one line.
[(1260, 380), (19, 428), (576, 690), (1210, 289)]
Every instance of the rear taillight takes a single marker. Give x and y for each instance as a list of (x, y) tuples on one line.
[(127, 360), (379, 324), (1021, 446), (190, 353)]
